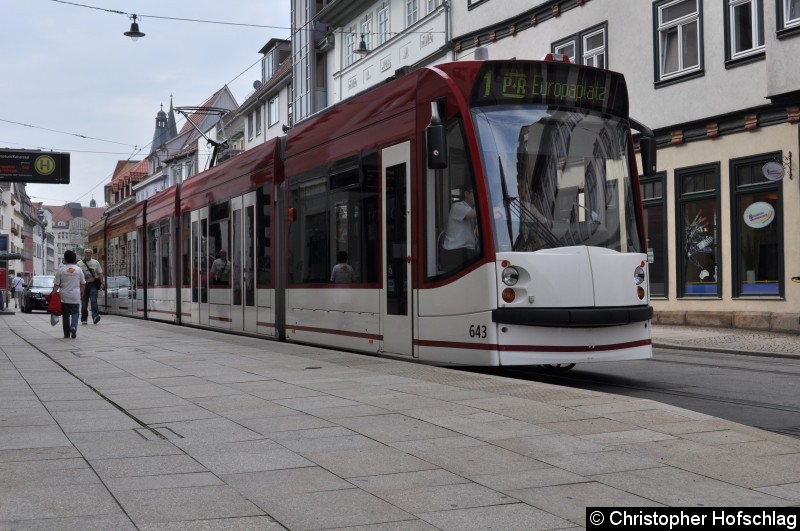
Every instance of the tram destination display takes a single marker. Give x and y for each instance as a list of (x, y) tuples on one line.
[(33, 166), (552, 84)]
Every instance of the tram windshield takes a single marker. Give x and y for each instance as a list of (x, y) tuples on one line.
[(557, 177)]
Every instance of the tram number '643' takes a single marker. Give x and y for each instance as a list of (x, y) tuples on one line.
[(477, 331)]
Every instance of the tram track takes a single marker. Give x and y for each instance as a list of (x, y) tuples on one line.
[(723, 398), (660, 390), (790, 364)]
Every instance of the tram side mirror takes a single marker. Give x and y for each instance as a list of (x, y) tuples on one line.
[(436, 140), (647, 146)]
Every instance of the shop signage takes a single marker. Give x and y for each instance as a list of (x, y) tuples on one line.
[(773, 171), (759, 215)]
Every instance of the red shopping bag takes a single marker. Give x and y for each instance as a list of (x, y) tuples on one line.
[(53, 303)]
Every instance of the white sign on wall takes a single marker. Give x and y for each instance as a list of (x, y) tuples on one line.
[(773, 171), (759, 215)]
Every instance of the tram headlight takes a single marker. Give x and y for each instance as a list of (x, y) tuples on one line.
[(510, 276), (638, 275)]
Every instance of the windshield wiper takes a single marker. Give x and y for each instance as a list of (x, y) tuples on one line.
[(506, 199)]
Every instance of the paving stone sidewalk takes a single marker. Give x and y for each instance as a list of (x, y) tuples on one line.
[(139, 425), (731, 340)]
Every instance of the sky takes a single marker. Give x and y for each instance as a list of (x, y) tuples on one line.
[(74, 83)]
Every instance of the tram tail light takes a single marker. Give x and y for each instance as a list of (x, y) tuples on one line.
[(640, 293), (292, 214), (508, 295)]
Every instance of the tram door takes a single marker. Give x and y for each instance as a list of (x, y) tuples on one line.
[(243, 303), (396, 306), (201, 264)]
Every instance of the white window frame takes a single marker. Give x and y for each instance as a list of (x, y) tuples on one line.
[(681, 25), (788, 21), (250, 126), (274, 110), (350, 47), (384, 25), (268, 65), (756, 17), (366, 30), (258, 120), (432, 5), (563, 46), (412, 12), (590, 56)]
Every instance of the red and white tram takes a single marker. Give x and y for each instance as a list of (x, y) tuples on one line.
[(488, 213)]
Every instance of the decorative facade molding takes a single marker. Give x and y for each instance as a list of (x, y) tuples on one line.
[(512, 26)]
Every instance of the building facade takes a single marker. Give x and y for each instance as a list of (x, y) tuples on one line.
[(70, 227), (24, 231)]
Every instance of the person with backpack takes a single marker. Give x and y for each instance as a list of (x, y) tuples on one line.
[(93, 273)]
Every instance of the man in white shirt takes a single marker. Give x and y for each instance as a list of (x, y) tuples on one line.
[(18, 284), (70, 282)]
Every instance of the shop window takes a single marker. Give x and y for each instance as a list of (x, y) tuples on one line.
[(655, 222), (698, 231), (757, 228)]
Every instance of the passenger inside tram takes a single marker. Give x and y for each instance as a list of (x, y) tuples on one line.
[(221, 269)]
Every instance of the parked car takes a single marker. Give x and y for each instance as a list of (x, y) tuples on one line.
[(119, 287), (34, 292)]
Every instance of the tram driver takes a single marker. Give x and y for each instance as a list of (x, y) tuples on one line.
[(461, 236)]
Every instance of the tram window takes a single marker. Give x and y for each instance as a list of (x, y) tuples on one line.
[(185, 250), (236, 258), (452, 236), (249, 259), (264, 243), (219, 238), (338, 211), (160, 249)]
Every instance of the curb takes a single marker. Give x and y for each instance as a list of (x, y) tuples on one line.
[(722, 350)]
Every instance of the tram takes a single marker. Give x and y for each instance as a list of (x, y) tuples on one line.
[(486, 213)]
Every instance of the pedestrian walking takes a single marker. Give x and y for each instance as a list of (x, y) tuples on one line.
[(93, 274), (18, 284), (70, 282)]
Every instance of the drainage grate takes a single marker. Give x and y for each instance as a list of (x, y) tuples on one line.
[(158, 434)]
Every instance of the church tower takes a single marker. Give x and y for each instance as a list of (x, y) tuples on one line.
[(161, 134), (172, 127)]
